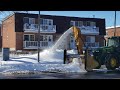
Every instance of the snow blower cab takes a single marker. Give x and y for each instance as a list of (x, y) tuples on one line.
[(114, 41)]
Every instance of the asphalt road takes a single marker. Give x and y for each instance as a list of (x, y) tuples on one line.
[(88, 75)]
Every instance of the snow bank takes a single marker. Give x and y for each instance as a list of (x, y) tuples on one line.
[(50, 61)]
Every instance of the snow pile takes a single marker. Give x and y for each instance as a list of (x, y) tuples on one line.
[(50, 61), (51, 57)]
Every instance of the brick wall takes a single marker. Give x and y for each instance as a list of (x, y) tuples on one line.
[(110, 32), (19, 40), (8, 33)]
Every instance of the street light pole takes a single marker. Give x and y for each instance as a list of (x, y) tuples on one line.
[(115, 25), (39, 36)]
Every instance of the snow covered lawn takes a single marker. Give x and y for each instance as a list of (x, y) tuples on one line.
[(50, 61)]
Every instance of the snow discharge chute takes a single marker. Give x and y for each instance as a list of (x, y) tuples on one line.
[(61, 42), (78, 39)]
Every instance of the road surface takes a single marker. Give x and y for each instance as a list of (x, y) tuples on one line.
[(88, 75)]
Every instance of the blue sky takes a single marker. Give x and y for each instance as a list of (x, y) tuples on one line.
[(108, 15)]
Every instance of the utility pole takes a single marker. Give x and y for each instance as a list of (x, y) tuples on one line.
[(39, 36), (115, 25)]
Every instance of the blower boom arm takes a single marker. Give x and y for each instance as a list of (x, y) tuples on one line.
[(78, 39)]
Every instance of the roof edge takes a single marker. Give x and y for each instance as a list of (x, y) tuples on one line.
[(62, 16), (112, 27), (8, 17)]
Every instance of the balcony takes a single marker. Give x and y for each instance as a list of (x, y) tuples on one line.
[(43, 28), (92, 45), (34, 44), (89, 30)]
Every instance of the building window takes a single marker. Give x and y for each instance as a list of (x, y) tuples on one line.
[(50, 22), (31, 20), (26, 37), (80, 23), (46, 21), (84, 23), (90, 39), (50, 38), (93, 24), (26, 20), (41, 21), (29, 37), (88, 23), (43, 28), (32, 37), (41, 38), (46, 38), (76, 23), (72, 23)]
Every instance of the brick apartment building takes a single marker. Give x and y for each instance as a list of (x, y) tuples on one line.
[(20, 30), (110, 31)]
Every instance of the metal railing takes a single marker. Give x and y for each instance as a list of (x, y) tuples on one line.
[(34, 44), (89, 30), (43, 28)]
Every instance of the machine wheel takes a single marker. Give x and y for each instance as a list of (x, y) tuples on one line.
[(99, 65), (112, 63)]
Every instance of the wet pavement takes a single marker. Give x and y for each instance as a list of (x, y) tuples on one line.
[(88, 75)]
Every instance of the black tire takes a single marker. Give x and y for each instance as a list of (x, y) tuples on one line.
[(99, 65), (112, 63)]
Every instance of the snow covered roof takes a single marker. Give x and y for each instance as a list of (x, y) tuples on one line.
[(112, 27)]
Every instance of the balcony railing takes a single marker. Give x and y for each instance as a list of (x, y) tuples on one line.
[(89, 30), (34, 44), (43, 28), (91, 45)]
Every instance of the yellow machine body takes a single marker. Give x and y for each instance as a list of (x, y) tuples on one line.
[(90, 62)]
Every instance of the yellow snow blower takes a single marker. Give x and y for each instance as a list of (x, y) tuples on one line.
[(86, 58)]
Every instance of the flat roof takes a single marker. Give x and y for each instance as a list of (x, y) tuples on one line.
[(113, 27)]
